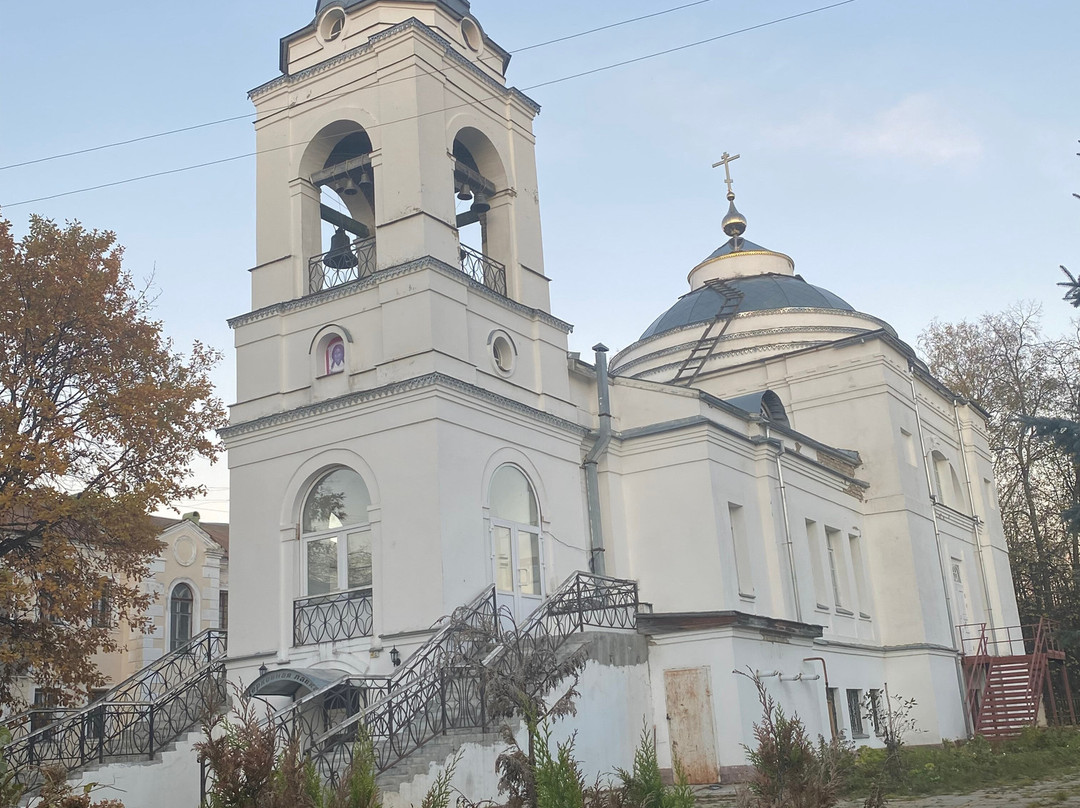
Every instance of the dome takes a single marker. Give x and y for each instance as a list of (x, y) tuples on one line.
[(760, 293)]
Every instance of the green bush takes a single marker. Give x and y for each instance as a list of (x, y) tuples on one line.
[(1037, 754)]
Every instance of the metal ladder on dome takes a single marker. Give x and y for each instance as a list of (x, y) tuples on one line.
[(690, 368)]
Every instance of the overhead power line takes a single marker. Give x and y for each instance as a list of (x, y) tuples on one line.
[(247, 115), (549, 83)]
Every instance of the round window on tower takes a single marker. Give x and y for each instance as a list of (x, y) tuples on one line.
[(503, 352), (332, 24), (471, 33)]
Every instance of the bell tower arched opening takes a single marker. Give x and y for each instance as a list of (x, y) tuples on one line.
[(338, 165), (483, 229)]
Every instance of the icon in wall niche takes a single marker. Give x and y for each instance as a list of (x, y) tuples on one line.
[(335, 356)]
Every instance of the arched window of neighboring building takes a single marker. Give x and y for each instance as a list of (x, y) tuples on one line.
[(181, 615), (516, 534), (336, 534), (939, 465)]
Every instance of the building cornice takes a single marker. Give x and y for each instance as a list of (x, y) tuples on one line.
[(677, 622), (397, 388), (363, 284), (413, 24)]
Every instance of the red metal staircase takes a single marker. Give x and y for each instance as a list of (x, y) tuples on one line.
[(1007, 674)]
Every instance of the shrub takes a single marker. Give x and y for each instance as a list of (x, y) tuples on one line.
[(790, 770)]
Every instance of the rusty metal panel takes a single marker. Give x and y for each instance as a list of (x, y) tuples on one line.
[(690, 722)]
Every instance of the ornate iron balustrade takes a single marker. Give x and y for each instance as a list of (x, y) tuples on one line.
[(453, 694), (482, 269), (455, 640), (338, 267), (335, 616), (122, 727)]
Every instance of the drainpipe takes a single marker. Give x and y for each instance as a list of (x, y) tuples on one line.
[(599, 448), (975, 531), (941, 561), (787, 525)]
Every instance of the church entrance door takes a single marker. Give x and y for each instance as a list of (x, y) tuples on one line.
[(690, 723), (516, 549), (517, 568)]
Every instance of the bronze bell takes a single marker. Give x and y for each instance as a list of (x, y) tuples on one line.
[(340, 254), (481, 204)]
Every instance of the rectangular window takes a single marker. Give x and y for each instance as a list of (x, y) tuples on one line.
[(862, 590), (990, 493), (359, 560), (837, 567), (102, 617), (909, 447), (528, 563), (322, 566), (813, 544), (876, 713), (504, 560), (44, 699), (830, 703), (223, 609), (962, 609), (854, 704), (743, 568)]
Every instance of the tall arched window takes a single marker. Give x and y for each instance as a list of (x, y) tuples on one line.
[(336, 534), (181, 612), (515, 531)]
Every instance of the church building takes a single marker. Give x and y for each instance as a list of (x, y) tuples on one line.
[(767, 481), (789, 488)]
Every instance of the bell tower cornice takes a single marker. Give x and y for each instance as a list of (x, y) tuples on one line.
[(339, 24), (411, 24)]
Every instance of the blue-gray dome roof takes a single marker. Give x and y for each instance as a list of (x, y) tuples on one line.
[(760, 293)]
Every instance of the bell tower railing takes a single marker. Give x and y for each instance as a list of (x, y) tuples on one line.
[(337, 267), (483, 270)]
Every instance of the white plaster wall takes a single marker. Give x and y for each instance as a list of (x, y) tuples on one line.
[(613, 708), (170, 781)]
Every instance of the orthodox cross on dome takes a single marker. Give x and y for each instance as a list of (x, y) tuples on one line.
[(734, 223), (725, 161)]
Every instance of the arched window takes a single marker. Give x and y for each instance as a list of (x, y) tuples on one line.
[(338, 163), (478, 176), (181, 613), (515, 528), (336, 535)]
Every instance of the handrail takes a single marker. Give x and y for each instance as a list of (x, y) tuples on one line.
[(452, 695), (434, 650), (119, 727)]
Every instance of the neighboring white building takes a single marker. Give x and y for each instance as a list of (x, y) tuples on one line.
[(792, 490)]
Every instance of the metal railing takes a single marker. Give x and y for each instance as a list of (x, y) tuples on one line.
[(978, 639), (136, 718), (335, 616), (338, 267), (448, 691), (321, 710), (482, 269)]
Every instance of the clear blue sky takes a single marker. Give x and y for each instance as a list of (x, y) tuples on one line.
[(917, 157)]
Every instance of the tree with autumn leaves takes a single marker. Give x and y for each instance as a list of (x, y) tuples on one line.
[(100, 420)]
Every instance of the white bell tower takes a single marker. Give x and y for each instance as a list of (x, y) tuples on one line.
[(400, 109), (400, 352)]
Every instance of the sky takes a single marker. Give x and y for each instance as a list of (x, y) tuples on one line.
[(916, 157)]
